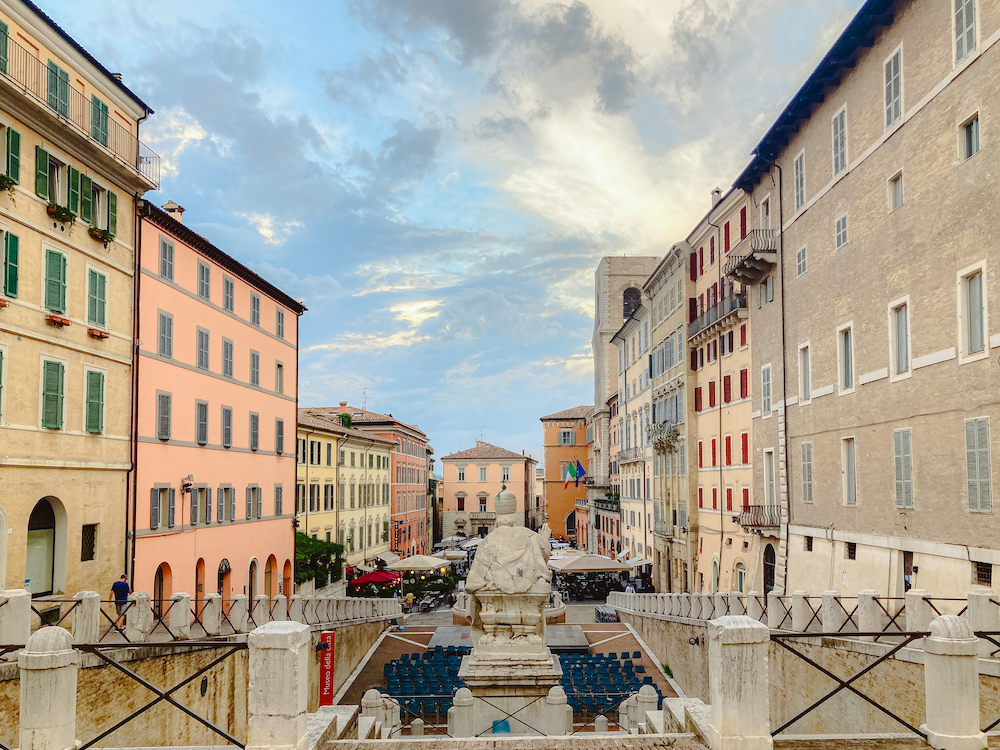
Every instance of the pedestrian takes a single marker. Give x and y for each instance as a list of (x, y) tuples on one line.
[(119, 592), (630, 589)]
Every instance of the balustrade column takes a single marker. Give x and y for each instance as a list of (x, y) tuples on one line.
[(755, 609), (279, 609), (984, 616), (295, 608), (951, 676), (15, 616), (801, 612), (871, 618), (48, 668), (179, 619), (278, 695), (834, 615), (138, 617), (238, 613), (211, 614), (775, 610), (87, 617), (722, 605), (736, 604), (738, 698), (918, 614)]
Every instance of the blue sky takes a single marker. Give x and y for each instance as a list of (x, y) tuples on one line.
[(439, 178)]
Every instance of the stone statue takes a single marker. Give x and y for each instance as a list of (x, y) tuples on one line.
[(510, 583)]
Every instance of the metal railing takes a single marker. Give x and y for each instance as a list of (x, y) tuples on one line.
[(717, 312), (759, 516), (33, 77), (631, 454), (756, 241)]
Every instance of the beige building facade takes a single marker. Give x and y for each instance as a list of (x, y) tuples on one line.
[(875, 331)]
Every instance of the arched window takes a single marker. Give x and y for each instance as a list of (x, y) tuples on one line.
[(270, 571), (252, 581), (741, 576), (225, 577), (630, 301)]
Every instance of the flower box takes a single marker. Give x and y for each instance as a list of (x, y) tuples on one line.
[(57, 320), (101, 235), (97, 333)]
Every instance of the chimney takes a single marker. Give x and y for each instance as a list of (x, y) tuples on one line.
[(117, 77), (176, 211), (343, 407), (716, 197)]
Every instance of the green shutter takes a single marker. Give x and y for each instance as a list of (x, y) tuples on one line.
[(41, 173), (52, 395), (92, 277), (73, 204), (11, 243), (13, 151), (63, 92), (55, 281), (102, 300), (86, 199), (95, 402), (3, 48), (112, 213), (53, 87), (99, 121)]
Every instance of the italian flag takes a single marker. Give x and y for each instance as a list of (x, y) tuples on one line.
[(570, 475)]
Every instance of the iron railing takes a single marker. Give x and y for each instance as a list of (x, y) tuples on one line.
[(717, 312), (759, 516), (29, 74)]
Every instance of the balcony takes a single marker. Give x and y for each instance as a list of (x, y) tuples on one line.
[(753, 258), (482, 515), (759, 517), (631, 454), (608, 505), (718, 317), (660, 527), (581, 502), (28, 74)]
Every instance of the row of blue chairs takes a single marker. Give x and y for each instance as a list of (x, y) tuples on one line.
[(421, 681)]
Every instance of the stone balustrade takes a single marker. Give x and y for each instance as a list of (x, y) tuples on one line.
[(180, 618)]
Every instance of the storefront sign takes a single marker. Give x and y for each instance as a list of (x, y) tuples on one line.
[(326, 663)]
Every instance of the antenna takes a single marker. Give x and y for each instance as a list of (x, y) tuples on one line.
[(482, 434), (364, 399)]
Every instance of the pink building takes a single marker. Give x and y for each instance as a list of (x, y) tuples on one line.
[(216, 419)]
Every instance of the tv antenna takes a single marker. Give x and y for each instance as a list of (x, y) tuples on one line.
[(364, 399)]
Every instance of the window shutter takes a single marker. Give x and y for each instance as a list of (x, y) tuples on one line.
[(55, 281), (697, 399), (232, 505), (73, 201), (11, 264), (53, 86), (92, 296), (154, 508), (52, 394), (254, 432), (163, 416), (95, 402), (227, 428), (807, 481), (279, 436), (220, 505), (86, 199), (208, 505), (745, 440), (172, 494), (202, 423), (907, 470), (41, 173), (249, 502), (727, 388), (693, 262), (260, 503), (983, 450), (13, 148), (3, 47), (194, 507), (112, 213), (62, 92)]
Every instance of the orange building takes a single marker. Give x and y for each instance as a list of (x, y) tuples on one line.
[(565, 440)]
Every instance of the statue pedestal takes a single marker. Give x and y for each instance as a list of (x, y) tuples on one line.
[(512, 683)]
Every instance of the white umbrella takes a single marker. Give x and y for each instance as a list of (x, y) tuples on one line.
[(587, 564), (419, 562), (452, 540), (639, 563), (454, 554), (474, 542)]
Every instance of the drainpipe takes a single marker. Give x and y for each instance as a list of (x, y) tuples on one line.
[(131, 481), (720, 393), (784, 370)]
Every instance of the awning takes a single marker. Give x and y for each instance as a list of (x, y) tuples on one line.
[(639, 563), (387, 557), (622, 555)]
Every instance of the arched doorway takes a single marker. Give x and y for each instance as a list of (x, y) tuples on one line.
[(741, 577), (252, 579), (199, 586), (571, 524), (225, 574), (768, 568), (162, 589), (269, 576), (715, 576), (286, 579), (39, 569)]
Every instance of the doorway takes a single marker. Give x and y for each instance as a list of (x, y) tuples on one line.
[(768, 568), (40, 563), (269, 574), (252, 580), (162, 588)]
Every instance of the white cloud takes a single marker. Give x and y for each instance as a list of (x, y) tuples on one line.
[(414, 314), (274, 232), (170, 133)]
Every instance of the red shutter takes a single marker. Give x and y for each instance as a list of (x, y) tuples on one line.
[(701, 451), (729, 450), (701, 303), (726, 238), (729, 498), (746, 497), (701, 357), (711, 394), (743, 383), (743, 335), (701, 260), (715, 498), (745, 437), (697, 399), (727, 388), (711, 251), (694, 360), (743, 222), (694, 267), (692, 308), (714, 462), (701, 503)]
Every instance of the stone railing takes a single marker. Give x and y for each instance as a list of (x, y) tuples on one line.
[(91, 620)]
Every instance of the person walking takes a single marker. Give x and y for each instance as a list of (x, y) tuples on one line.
[(119, 592)]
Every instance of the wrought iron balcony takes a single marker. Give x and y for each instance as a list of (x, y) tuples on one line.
[(608, 505), (482, 515), (28, 74), (631, 454), (759, 517), (719, 316), (753, 258)]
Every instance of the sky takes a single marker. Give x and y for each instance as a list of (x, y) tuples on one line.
[(438, 179)]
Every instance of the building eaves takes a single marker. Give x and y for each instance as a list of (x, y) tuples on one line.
[(486, 451), (577, 412), (319, 422)]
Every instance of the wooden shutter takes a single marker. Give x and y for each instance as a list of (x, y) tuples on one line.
[(62, 91), (227, 428), (727, 388), (232, 504), (52, 395), (92, 276), (745, 446), (73, 199), (208, 505), (86, 199), (112, 213), (171, 515), (697, 399), (279, 436), (260, 503), (744, 383), (693, 262), (3, 47), (729, 450), (254, 431), (725, 238), (41, 173), (13, 148), (220, 505), (154, 508), (163, 416), (11, 253), (55, 281), (977, 456), (52, 91), (202, 423), (765, 390), (95, 401), (807, 494), (249, 502), (194, 506), (711, 393)]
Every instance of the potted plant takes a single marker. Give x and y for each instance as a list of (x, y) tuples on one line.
[(101, 235), (61, 213), (7, 183)]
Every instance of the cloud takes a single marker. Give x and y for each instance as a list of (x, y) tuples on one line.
[(172, 132), (357, 83), (274, 232), (414, 314)]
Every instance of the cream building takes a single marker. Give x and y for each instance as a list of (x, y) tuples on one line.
[(874, 357), (471, 480), (70, 164), (342, 494)]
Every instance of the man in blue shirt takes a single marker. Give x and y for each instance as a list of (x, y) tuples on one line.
[(119, 592)]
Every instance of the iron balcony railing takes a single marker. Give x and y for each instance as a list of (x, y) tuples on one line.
[(630, 454), (717, 312), (756, 241), (759, 516), (36, 79), (482, 515)]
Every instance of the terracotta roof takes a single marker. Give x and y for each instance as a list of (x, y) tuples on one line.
[(486, 451), (365, 415), (319, 422), (577, 412)]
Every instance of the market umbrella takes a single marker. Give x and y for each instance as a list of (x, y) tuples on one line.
[(639, 563), (453, 540), (454, 554), (377, 576), (418, 562), (587, 564), (474, 542)]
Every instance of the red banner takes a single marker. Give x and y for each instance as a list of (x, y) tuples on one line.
[(326, 690)]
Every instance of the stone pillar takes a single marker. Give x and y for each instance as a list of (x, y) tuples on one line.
[(211, 614), (738, 698), (238, 613), (775, 610), (722, 605), (737, 605), (626, 711), (647, 700), (870, 617), (15, 616), (460, 715), (707, 606), (555, 713), (417, 728), (683, 605), (371, 708), (179, 619), (601, 723), (138, 617), (755, 610), (695, 610), (918, 614), (48, 667), (279, 609), (833, 614), (984, 616), (278, 687), (801, 612), (295, 608), (87, 617), (951, 676), (261, 609)]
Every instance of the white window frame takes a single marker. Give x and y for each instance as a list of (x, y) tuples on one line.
[(963, 151), (893, 306), (104, 406), (836, 232), (845, 497), (890, 185), (799, 180), (769, 394), (805, 374), (902, 90), (801, 262), (841, 388), (842, 112), (964, 356), (956, 60)]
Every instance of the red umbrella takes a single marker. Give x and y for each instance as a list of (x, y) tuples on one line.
[(376, 576)]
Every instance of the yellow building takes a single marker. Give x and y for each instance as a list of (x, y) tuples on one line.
[(71, 163), (342, 492)]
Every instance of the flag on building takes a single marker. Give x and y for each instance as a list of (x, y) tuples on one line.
[(579, 473)]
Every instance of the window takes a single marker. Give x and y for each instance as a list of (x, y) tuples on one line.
[(163, 416), (53, 393), (55, 281), (227, 427), (254, 431), (974, 313), (88, 542), (166, 259), (765, 390), (204, 281), (279, 436), (13, 143), (850, 477), (965, 28), (840, 142), (807, 543), (800, 181), (896, 191), (254, 368), (228, 294), (904, 468), (977, 460), (769, 288), (10, 264), (94, 418), (893, 88), (805, 387), (279, 323), (566, 437), (255, 309), (840, 231), (765, 214), (900, 339), (202, 349), (505, 474), (970, 138), (800, 262), (846, 355), (279, 501), (201, 422), (227, 358), (744, 383), (461, 473), (58, 89), (166, 335), (769, 487), (851, 550), (97, 296), (482, 473), (807, 472)]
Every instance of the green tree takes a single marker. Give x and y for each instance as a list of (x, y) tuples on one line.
[(317, 560)]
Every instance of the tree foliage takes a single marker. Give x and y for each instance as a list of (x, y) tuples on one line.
[(317, 560)]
